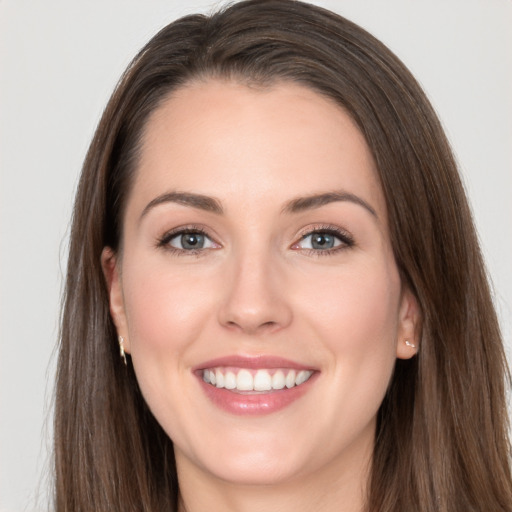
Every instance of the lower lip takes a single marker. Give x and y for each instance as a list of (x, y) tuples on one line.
[(257, 403)]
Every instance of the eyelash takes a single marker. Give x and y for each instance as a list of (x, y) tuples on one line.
[(343, 236), (164, 241), (346, 239)]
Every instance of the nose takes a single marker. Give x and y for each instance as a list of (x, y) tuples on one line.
[(255, 299)]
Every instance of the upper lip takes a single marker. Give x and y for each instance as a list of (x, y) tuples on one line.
[(253, 362)]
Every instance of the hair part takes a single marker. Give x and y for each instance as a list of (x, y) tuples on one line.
[(442, 434)]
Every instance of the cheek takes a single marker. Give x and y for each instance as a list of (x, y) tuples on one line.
[(357, 310), (165, 310), (355, 319)]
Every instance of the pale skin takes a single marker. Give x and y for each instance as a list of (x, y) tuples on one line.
[(258, 285)]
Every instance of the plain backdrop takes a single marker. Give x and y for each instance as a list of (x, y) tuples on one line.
[(60, 60)]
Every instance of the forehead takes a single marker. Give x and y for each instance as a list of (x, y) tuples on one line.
[(236, 142)]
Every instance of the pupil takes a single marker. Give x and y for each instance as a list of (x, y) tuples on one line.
[(192, 241), (322, 241)]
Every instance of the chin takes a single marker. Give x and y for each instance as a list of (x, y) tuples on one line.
[(255, 471), (266, 460)]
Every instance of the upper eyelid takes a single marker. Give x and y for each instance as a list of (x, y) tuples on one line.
[(329, 228), (342, 233), (188, 228), (345, 237), (174, 232)]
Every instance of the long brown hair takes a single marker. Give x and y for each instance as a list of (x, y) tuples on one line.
[(442, 434)]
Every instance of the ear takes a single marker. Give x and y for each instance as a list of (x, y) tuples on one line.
[(409, 317), (110, 265)]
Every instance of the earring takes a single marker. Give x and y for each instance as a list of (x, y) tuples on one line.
[(409, 344), (121, 350)]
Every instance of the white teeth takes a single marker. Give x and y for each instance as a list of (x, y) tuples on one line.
[(243, 380), (302, 377), (219, 379), (290, 379), (230, 380), (278, 380), (262, 381)]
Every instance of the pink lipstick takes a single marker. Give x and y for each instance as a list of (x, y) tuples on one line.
[(254, 385)]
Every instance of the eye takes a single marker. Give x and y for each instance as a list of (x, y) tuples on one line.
[(320, 241), (188, 240), (324, 240)]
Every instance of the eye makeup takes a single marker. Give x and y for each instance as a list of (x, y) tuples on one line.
[(193, 239), (316, 240), (325, 240)]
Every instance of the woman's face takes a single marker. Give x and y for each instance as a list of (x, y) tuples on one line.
[(257, 290)]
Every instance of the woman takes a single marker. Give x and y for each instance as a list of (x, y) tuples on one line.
[(275, 296)]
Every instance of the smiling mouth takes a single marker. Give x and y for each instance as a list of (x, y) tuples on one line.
[(243, 380)]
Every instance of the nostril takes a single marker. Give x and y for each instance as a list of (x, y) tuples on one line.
[(252, 328), (252, 307)]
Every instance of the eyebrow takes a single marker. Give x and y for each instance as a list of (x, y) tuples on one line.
[(199, 201), (301, 204), (297, 205)]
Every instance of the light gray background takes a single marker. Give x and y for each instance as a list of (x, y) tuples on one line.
[(58, 64)]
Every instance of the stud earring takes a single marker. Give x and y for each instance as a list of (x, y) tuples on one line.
[(121, 350), (409, 344)]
